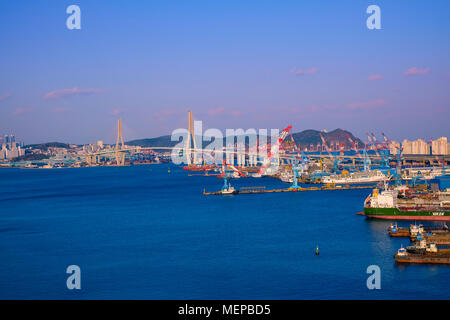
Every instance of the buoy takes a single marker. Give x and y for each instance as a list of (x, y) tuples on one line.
[(317, 250)]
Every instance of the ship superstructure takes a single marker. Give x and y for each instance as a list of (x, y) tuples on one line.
[(391, 204)]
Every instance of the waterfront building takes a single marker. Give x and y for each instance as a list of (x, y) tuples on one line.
[(439, 146), (418, 146), (407, 146), (10, 148)]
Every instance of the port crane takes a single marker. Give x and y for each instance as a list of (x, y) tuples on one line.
[(354, 146), (334, 157), (295, 164), (382, 151), (386, 140), (236, 172), (366, 159), (372, 143), (379, 150), (443, 166), (398, 172), (273, 151), (227, 188)]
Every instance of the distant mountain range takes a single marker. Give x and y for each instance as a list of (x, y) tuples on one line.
[(45, 146), (304, 138), (337, 136)]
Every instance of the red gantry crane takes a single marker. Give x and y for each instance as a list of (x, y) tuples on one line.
[(274, 151)]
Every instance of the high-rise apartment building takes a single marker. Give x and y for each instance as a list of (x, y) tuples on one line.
[(439, 146)]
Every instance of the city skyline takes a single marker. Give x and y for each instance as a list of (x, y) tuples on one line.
[(246, 65)]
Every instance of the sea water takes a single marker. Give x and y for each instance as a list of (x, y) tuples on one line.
[(142, 232)]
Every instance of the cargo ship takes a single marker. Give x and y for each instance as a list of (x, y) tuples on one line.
[(390, 204), (357, 177)]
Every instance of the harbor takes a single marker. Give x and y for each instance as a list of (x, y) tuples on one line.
[(274, 234), (390, 185), (397, 187), (246, 151)]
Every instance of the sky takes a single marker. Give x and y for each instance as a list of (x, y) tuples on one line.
[(235, 64)]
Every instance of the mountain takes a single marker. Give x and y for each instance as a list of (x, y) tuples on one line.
[(45, 146), (308, 137), (163, 141), (304, 138)]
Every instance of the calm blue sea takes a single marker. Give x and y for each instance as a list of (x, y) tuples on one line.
[(143, 233)]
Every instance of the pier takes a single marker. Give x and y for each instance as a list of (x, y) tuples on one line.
[(442, 238), (440, 257), (254, 190)]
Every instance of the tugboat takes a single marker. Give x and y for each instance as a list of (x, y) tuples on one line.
[(419, 247), (432, 248), (227, 189), (401, 252), (396, 231), (393, 228), (415, 230)]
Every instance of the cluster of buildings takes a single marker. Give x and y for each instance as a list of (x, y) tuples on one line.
[(96, 147), (320, 147), (439, 146), (98, 152), (10, 149)]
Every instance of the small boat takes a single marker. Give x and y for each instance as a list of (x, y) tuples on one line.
[(419, 247), (227, 189), (402, 252), (230, 190), (415, 230), (393, 228), (432, 248)]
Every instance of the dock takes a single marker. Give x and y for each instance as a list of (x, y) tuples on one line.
[(438, 238), (401, 232), (437, 235), (261, 189), (440, 257)]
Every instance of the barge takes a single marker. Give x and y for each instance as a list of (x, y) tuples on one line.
[(413, 230), (431, 254), (253, 190), (438, 238)]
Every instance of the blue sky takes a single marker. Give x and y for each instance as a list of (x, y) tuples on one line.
[(249, 64)]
